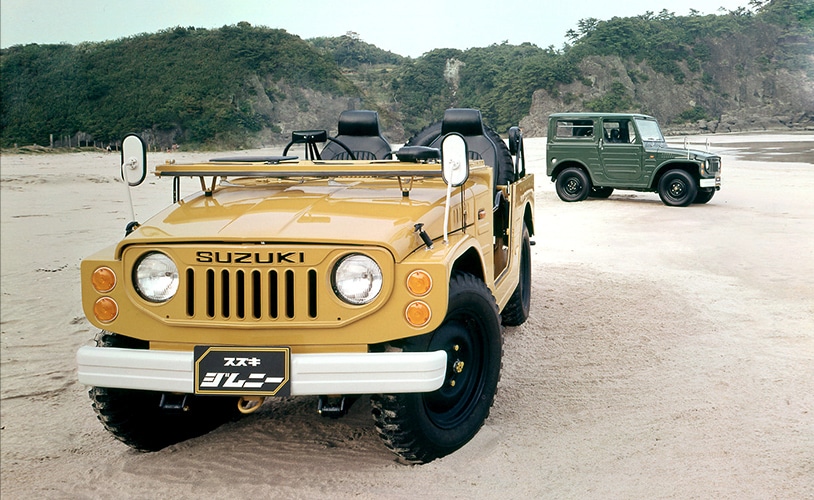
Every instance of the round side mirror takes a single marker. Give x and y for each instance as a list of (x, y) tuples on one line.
[(134, 160), (454, 159)]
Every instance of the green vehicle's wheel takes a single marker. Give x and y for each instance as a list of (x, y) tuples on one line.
[(704, 195), (422, 427), (600, 192), (573, 184), (140, 420), (677, 188)]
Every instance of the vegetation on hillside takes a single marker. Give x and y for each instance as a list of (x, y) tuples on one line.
[(192, 80), (349, 51), (666, 40), (203, 85), (681, 46), (500, 79)]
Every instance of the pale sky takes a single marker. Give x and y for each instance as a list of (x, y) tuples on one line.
[(408, 28)]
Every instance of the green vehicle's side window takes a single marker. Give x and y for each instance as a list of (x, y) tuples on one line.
[(631, 131), (619, 131), (575, 129)]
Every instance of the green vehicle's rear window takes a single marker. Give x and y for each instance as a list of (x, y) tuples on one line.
[(580, 129)]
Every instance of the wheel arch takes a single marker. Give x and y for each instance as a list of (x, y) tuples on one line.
[(528, 218), (469, 262), (690, 168), (568, 164)]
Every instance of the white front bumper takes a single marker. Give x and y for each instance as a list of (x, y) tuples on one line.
[(710, 183), (311, 374)]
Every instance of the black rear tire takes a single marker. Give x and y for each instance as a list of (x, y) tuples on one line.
[(426, 135), (573, 184), (504, 169), (517, 309), (422, 427), (136, 418)]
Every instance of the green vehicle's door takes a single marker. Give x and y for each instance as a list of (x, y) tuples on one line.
[(620, 152)]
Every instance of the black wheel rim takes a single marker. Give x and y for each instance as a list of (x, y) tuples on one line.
[(572, 185), (677, 189), (464, 343)]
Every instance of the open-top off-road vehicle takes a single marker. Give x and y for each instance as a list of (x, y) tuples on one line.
[(354, 271), (591, 154)]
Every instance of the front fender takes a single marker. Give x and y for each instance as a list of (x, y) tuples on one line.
[(689, 166)]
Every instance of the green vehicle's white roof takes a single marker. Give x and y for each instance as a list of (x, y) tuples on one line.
[(585, 115)]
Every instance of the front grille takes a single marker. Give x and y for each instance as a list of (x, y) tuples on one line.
[(257, 286), (246, 294), (714, 165)]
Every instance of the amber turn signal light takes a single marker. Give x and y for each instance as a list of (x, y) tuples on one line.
[(418, 313), (105, 309), (103, 279), (419, 283)]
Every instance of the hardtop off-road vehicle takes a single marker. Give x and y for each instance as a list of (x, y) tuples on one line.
[(354, 271), (591, 154)]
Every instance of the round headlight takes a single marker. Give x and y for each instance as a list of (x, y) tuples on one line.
[(357, 279), (156, 277)]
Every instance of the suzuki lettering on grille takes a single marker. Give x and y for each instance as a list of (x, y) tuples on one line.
[(209, 257)]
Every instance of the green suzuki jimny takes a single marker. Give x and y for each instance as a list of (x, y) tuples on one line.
[(591, 154)]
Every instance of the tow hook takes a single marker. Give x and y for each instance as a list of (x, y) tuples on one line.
[(249, 404)]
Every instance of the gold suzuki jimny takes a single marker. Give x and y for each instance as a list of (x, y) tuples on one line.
[(357, 270)]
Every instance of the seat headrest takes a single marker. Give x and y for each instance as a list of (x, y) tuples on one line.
[(359, 122), (466, 122)]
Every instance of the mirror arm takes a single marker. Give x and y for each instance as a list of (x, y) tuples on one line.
[(133, 162), (446, 214), (176, 189), (454, 169)]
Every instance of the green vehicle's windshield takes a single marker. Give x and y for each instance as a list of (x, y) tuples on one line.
[(649, 130)]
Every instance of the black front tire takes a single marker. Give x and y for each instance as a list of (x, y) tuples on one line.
[(517, 309), (704, 195), (137, 419), (677, 188), (600, 192), (422, 427), (573, 185)]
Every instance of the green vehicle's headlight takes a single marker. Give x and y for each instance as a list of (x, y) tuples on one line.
[(156, 277), (357, 279)]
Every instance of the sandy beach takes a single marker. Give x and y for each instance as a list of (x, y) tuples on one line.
[(669, 353)]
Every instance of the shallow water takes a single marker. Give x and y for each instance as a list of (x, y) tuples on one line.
[(786, 152)]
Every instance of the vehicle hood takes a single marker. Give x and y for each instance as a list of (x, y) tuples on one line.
[(693, 154), (357, 212)]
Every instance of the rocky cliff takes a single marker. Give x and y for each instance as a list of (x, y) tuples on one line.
[(735, 90)]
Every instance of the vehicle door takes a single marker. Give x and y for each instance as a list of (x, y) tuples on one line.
[(620, 151)]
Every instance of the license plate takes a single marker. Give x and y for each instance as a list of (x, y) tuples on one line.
[(258, 371)]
